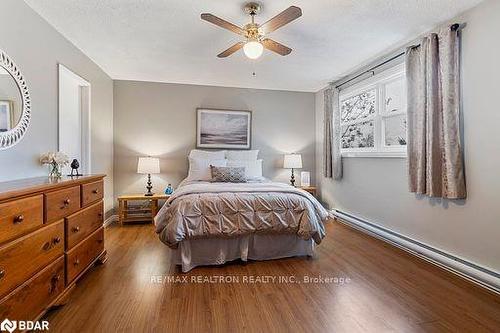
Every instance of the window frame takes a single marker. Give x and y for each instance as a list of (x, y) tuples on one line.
[(379, 83)]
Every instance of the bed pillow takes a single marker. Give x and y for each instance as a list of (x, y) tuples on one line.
[(199, 169), (208, 155), (228, 174), (242, 155), (253, 169)]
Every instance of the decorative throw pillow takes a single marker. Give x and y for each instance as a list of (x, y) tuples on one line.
[(228, 174)]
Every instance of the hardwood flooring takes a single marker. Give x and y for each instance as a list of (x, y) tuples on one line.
[(385, 289)]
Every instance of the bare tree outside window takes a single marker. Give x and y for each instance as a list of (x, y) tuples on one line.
[(359, 106), (373, 115)]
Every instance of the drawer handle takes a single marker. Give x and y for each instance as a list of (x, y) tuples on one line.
[(95, 191), (67, 202), (56, 240), (18, 219), (2, 273), (76, 262), (76, 229), (100, 241), (99, 214)]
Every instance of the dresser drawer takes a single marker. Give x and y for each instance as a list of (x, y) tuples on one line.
[(24, 257), (59, 204), (78, 258), (92, 192), (19, 217), (81, 224), (32, 298)]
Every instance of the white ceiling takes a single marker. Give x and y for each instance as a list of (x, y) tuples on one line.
[(166, 41)]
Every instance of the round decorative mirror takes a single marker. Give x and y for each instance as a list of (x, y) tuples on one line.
[(15, 104)]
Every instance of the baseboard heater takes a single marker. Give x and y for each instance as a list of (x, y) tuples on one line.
[(482, 276)]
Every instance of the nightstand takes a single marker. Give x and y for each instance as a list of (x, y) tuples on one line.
[(144, 210), (310, 189)]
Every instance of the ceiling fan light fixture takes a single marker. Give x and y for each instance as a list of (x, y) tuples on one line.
[(253, 49), (255, 35)]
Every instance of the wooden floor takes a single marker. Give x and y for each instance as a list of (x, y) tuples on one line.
[(387, 290)]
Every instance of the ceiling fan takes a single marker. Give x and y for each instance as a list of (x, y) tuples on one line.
[(255, 34)]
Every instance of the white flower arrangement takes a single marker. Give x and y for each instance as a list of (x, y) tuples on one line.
[(56, 160)]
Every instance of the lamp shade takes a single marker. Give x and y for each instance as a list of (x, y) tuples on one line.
[(148, 165), (292, 161)]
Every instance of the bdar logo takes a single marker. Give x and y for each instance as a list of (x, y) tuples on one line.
[(8, 325)]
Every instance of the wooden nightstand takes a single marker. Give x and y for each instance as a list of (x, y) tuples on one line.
[(310, 189), (144, 212)]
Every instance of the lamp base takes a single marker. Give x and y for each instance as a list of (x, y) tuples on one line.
[(292, 179), (149, 187)]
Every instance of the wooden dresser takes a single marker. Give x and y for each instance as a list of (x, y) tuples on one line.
[(51, 233)]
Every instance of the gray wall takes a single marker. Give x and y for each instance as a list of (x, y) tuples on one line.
[(159, 119), (37, 48), (376, 188)]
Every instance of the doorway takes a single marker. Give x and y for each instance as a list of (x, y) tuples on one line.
[(74, 119)]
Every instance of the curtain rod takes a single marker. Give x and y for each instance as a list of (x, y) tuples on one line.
[(454, 27)]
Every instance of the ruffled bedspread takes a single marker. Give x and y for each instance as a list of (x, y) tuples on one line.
[(225, 210)]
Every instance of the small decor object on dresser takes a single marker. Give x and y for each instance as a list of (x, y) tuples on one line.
[(55, 161), (74, 168), (223, 129)]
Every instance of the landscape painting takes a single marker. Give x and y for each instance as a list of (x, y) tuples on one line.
[(223, 129)]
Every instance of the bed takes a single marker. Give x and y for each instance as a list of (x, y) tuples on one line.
[(211, 223)]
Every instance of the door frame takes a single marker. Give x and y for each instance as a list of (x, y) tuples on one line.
[(85, 108)]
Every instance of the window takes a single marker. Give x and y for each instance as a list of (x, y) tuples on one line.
[(373, 116)]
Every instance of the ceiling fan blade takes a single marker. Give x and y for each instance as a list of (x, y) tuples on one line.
[(231, 50), (222, 23), (276, 47), (285, 17)]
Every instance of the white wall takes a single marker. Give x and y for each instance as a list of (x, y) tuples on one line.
[(376, 189), (37, 48), (159, 119)]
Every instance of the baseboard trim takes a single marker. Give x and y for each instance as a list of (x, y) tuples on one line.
[(480, 275), (110, 220)]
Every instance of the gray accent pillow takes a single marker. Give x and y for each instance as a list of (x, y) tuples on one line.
[(228, 174)]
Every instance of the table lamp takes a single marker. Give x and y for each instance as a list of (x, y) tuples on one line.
[(292, 161), (148, 165)]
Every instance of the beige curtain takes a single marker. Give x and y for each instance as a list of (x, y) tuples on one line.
[(435, 161), (332, 157)]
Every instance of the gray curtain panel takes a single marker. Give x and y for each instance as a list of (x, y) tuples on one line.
[(332, 157), (435, 161)]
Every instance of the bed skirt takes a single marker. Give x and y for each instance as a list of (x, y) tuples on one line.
[(216, 251)]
